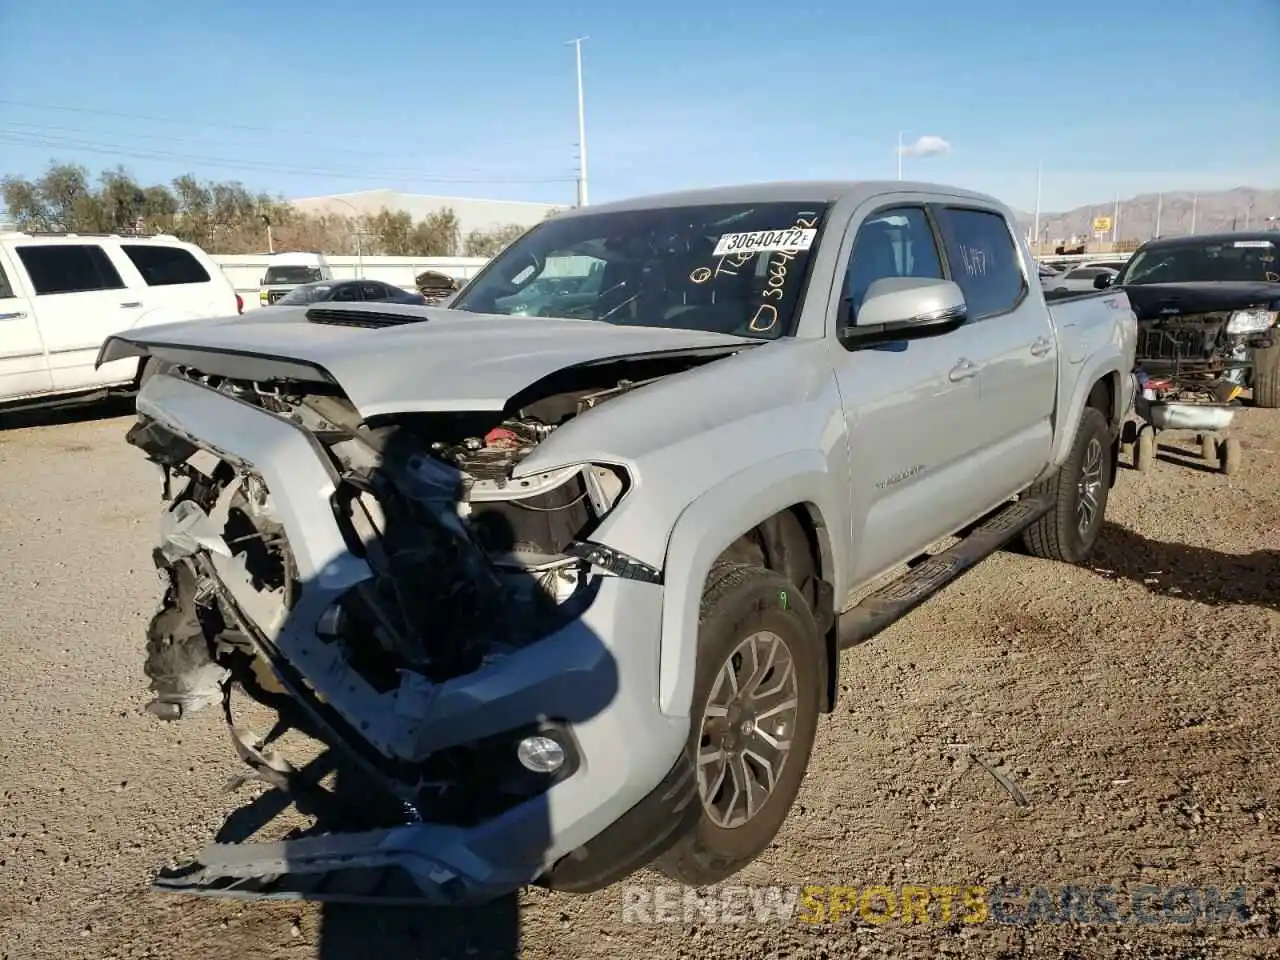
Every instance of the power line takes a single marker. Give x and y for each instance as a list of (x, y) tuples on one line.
[(185, 122), (38, 129), (88, 146)]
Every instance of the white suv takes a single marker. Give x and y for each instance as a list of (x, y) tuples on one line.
[(62, 295)]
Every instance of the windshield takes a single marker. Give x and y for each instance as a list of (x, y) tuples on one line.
[(291, 275), (725, 268), (1231, 260), (309, 293)]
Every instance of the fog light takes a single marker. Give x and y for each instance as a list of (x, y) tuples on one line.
[(540, 754)]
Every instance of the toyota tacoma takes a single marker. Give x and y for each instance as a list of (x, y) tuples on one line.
[(563, 571)]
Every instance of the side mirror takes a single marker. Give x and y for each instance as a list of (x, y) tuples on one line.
[(901, 308), (1102, 281)]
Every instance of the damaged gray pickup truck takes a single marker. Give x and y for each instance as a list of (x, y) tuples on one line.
[(563, 571)]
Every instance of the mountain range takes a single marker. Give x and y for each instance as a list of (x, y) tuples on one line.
[(1215, 211)]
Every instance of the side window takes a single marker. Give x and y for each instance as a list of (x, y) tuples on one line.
[(983, 259), (347, 292), (64, 268), (374, 291), (6, 288), (162, 266), (893, 243)]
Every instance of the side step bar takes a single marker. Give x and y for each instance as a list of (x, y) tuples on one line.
[(895, 600)]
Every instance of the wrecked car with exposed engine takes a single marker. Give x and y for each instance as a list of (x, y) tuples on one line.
[(561, 569)]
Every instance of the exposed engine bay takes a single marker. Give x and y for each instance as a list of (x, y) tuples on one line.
[(469, 563)]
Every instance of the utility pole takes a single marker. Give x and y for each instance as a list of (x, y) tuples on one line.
[(1115, 221), (582, 126), (1195, 198), (1035, 223), (1159, 209), (271, 247)]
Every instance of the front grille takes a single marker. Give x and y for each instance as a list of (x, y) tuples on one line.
[(1190, 337), (274, 295), (359, 318), (1163, 344)]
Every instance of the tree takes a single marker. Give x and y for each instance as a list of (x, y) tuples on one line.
[(226, 217), (489, 243)]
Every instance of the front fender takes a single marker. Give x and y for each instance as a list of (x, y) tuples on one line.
[(710, 524)]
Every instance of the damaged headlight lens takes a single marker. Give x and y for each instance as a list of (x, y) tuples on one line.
[(1252, 320)]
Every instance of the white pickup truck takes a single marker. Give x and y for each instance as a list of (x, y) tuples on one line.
[(570, 585)]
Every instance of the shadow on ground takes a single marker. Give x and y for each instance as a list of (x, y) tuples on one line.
[(18, 418), (1189, 572)]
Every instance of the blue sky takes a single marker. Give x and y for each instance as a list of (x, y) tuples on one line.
[(304, 98)]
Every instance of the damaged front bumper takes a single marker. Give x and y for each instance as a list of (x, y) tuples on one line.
[(567, 682)]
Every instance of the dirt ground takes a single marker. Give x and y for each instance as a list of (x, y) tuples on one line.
[(1134, 703)]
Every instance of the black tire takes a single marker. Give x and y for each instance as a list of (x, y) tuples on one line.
[(1266, 377), (739, 601), (1064, 533)]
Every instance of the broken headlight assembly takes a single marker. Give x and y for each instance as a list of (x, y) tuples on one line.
[(1252, 320)]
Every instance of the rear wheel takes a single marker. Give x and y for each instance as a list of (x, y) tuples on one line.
[(1069, 531), (753, 718)]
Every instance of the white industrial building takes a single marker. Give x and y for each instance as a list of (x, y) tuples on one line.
[(472, 214)]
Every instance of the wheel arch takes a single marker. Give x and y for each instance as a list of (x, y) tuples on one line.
[(1099, 384), (778, 512)]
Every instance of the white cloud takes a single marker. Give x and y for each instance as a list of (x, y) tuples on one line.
[(927, 146)]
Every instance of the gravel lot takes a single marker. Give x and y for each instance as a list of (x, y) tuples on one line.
[(1134, 703)]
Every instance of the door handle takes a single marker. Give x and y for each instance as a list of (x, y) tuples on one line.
[(1040, 346), (963, 370), (132, 303), (20, 315)]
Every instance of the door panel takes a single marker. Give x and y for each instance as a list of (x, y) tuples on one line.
[(1010, 329), (80, 300), (24, 367), (908, 405), (908, 423)]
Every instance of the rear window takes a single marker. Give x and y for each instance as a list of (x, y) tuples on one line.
[(69, 268), (984, 261), (165, 266)]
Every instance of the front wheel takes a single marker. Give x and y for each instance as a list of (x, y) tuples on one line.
[(753, 718), (1069, 531)]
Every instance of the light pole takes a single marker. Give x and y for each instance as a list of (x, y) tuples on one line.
[(582, 126), (359, 238), (1195, 199), (1159, 209), (1035, 223)]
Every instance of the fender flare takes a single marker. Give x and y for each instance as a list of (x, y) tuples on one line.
[(1104, 367), (701, 533)]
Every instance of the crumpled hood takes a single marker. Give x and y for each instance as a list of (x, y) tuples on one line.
[(440, 360), (1152, 300)]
